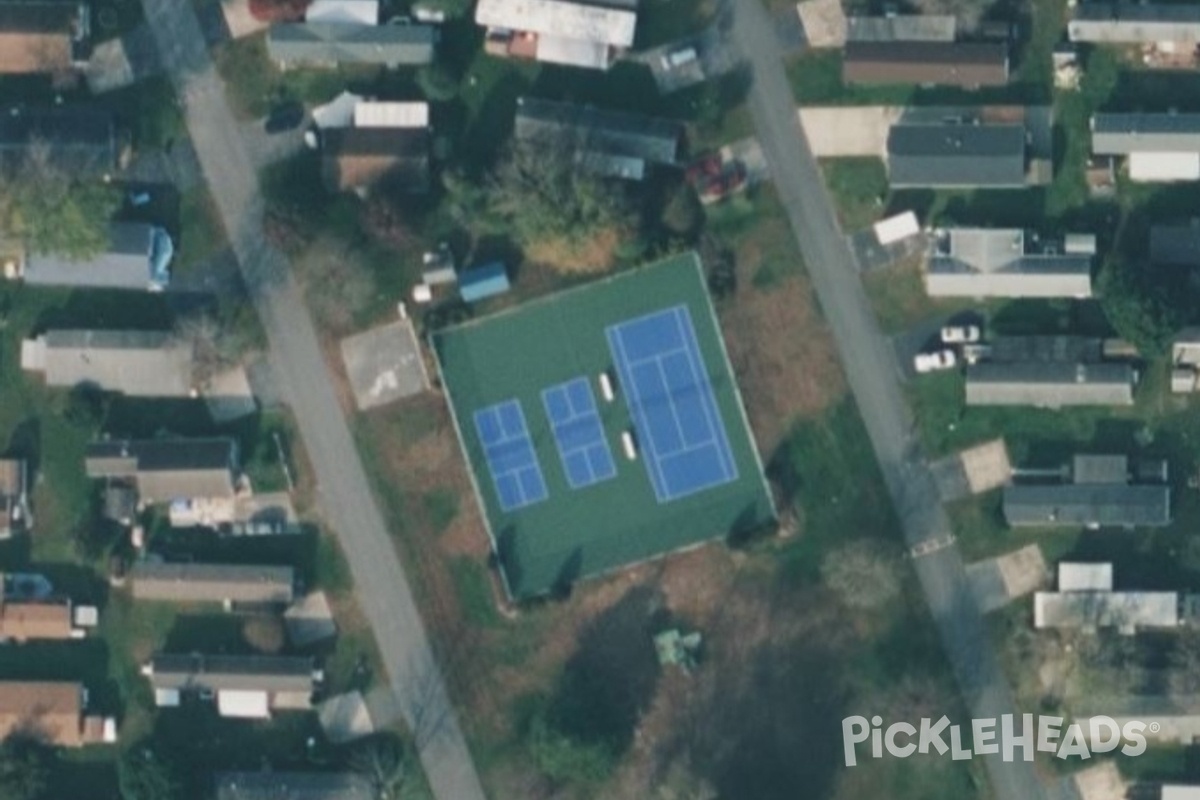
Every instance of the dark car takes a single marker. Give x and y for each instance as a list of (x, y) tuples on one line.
[(284, 117)]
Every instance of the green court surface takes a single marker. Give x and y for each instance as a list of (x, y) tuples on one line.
[(546, 533)]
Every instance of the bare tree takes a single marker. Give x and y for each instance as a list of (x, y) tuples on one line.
[(213, 348), (386, 762)]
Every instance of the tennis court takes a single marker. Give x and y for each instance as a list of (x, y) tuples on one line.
[(510, 457), (579, 434), (671, 401), (561, 496)]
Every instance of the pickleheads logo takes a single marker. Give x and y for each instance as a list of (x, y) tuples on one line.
[(985, 737)]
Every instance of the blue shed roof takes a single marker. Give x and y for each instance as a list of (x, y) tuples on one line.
[(483, 282)]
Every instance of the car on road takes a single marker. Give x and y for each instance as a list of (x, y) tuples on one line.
[(961, 334), (284, 117), (936, 361)]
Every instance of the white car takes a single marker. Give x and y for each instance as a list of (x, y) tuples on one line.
[(935, 361), (960, 334)]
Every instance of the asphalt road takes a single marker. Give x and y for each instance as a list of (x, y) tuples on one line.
[(344, 491), (875, 379)]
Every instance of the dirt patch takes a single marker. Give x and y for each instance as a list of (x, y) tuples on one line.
[(783, 356), (593, 255)]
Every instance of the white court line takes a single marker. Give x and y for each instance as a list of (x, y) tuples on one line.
[(701, 376), (653, 467)]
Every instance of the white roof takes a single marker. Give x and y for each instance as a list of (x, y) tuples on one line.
[(391, 115), (360, 12), (1083, 577), (572, 52), (1176, 792), (338, 112), (897, 228), (166, 698), (1126, 611), (243, 704), (609, 26), (1152, 167)]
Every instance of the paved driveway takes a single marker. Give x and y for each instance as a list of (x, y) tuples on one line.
[(873, 373), (343, 489)]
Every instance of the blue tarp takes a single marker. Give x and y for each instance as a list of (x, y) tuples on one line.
[(483, 282)]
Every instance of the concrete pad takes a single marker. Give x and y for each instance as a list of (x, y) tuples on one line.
[(824, 22), (229, 396), (998, 581), (844, 132), (239, 20), (1101, 781), (384, 364), (309, 620), (987, 466), (344, 718)]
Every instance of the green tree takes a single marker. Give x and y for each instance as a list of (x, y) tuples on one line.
[(144, 774), (25, 767), (52, 211), (562, 757), (437, 82), (1144, 309), (539, 188)]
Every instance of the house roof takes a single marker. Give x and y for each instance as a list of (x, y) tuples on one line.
[(50, 709), (232, 673), (12, 477), (361, 12), (78, 139), (167, 469), (605, 139), (351, 43), (293, 786), (40, 36), (1050, 384), (1125, 610), (588, 23), (1074, 577), (995, 262), (136, 363), (956, 155), (376, 114), (354, 158), (25, 621), (1080, 504), (192, 582), (1054, 348), (129, 262), (1134, 23), (1123, 134), (964, 64), (1176, 245), (902, 28), (1180, 792), (1097, 469)]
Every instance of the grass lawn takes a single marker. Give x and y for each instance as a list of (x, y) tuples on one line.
[(859, 188)]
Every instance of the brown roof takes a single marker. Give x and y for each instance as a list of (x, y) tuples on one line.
[(50, 710), (361, 157), (36, 36), (214, 583), (24, 621), (11, 477), (964, 64)]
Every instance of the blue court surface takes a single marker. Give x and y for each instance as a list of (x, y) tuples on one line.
[(510, 456), (679, 430), (585, 454)]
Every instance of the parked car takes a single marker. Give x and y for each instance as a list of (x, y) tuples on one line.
[(961, 334), (935, 362), (284, 117)]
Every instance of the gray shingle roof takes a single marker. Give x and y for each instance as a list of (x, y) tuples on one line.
[(128, 263), (136, 363), (293, 786), (232, 673), (599, 133), (1083, 504), (1122, 134), (993, 262), (1176, 245), (1050, 385), (192, 582), (78, 139), (956, 155), (344, 43), (167, 469)]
